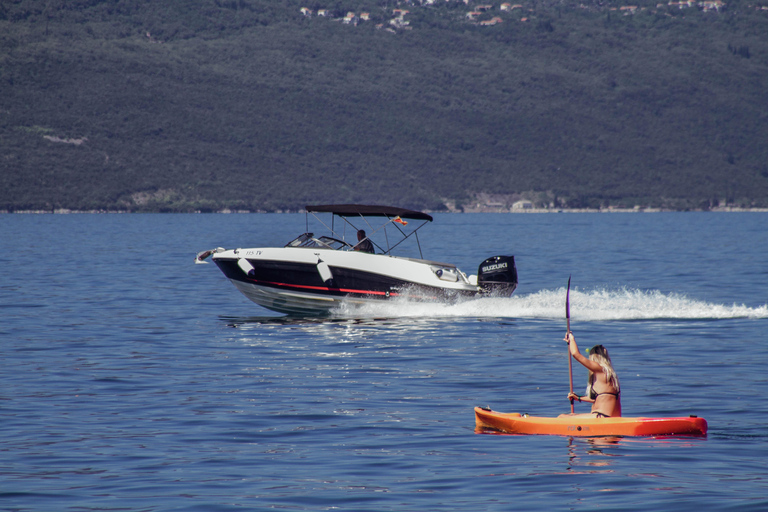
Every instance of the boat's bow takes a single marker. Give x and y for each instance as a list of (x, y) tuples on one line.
[(203, 255)]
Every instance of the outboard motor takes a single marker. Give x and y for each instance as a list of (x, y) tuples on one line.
[(498, 275)]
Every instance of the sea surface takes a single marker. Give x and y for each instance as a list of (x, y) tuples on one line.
[(132, 379)]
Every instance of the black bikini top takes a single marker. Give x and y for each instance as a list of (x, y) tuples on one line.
[(594, 395)]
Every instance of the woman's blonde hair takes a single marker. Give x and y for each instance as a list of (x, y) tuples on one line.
[(599, 354)]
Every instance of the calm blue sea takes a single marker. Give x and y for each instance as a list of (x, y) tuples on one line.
[(133, 380)]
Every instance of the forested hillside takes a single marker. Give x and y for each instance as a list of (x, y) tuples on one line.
[(204, 105)]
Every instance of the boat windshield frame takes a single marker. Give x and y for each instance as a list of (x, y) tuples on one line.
[(393, 217), (308, 241)]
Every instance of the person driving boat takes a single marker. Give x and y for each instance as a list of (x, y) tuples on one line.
[(363, 244)]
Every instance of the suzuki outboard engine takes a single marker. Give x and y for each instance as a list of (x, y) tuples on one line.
[(498, 275)]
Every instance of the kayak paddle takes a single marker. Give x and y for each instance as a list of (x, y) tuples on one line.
[(568, 320)]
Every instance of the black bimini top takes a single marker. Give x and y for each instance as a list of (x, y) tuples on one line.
[(355, 210)]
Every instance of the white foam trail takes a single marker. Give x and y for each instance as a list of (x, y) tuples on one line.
[(594, 305)]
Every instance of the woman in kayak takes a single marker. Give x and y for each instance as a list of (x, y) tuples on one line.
[(603, 390)]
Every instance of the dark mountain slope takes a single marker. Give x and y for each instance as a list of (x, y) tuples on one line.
[(204, 105)]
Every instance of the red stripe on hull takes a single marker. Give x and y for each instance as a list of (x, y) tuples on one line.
[(322, 288)]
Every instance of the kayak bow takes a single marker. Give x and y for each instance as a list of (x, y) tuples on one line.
[(516, 423)]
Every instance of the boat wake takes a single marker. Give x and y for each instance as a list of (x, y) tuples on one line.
[(586, 305)]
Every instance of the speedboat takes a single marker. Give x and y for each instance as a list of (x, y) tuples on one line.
[(312, 275)]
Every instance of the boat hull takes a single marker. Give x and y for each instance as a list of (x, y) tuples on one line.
[(292, 302), (515, 423), (309, 282)]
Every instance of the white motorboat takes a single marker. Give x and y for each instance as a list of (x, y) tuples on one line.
[(312, 275)]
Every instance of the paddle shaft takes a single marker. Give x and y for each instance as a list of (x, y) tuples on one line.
[(568, 322)]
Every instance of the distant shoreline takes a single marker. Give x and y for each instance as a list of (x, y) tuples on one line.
[(720, 209)]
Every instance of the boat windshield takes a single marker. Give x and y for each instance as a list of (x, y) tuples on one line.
[(323, 242)]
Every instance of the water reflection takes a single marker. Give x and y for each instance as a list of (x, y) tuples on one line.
[(409, 328), (238, 321), (590, 452), (592, 455)]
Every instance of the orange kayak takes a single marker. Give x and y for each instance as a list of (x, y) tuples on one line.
[(516, 423)]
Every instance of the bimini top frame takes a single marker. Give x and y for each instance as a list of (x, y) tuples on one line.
[(395, 216)]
